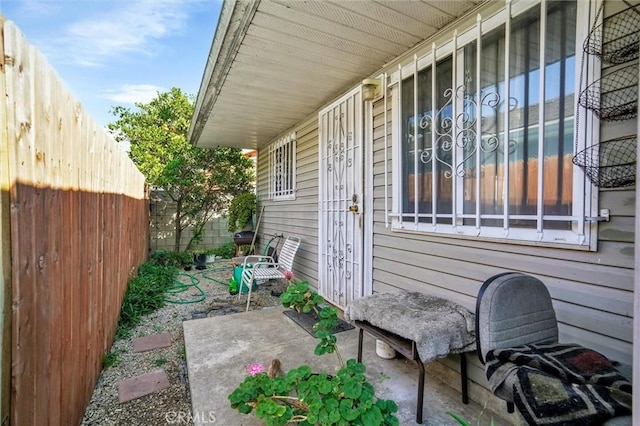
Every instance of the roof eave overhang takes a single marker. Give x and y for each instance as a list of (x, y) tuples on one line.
[(235, 18)]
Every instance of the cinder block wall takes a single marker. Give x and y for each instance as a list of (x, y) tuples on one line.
[(162, 227)]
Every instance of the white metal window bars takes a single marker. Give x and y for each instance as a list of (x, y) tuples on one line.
[(454, 129), (282, 168)]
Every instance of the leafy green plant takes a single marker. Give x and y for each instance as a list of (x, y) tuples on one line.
[(111, 359), (299, 297), (170, 258), (200, 181), (458, 418), (146, 291), (182, 352), (206, 252), (226, 251), (308, 398), (159, 362), (245, 249), (241, 209)]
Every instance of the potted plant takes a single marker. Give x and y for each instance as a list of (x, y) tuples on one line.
[(203, 256), (241, 211), (302, 396)]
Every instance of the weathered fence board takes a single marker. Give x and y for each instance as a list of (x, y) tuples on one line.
[(5, 244), (78, 211)]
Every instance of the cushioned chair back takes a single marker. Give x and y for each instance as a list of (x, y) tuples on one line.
[(288, 253), (513, 309)]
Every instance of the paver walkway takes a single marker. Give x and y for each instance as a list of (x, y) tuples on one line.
[(147, 383), (154, 341), (142, 385)]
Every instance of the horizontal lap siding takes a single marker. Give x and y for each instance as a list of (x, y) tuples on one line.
[(297, 217)]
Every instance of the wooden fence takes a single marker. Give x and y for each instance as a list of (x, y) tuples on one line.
[(75, 212)]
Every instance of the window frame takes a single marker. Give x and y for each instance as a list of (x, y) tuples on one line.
[(288, 144), (584, 195)]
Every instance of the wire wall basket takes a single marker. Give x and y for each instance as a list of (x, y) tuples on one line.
[(610, 164), (614, 97), (616, 39)]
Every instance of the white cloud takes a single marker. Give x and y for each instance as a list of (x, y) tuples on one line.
[(127, 27), (39, 7), (132, 93)]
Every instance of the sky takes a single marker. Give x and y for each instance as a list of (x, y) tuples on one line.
[(117, 52)]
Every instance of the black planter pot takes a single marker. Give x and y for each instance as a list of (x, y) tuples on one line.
[(200, 260)]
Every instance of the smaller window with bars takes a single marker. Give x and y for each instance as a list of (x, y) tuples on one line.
[(282, 168)]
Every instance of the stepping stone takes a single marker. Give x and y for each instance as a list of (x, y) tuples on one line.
[(154, 341), (142, 385)]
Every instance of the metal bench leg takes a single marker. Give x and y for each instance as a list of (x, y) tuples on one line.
[(420, 391), (463, 377), (360, 334)]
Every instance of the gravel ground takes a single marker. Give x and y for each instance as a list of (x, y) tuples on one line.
[(171, 405)]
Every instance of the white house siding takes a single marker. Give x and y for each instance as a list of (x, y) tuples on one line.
[(592, 290), (297, 217)]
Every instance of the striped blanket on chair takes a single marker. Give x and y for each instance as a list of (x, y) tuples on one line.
[(561, 384)]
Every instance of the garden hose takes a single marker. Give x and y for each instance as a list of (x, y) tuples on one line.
[(180, 287), (215, 280), (266, 248)]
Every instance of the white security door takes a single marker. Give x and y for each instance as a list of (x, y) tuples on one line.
[(340, 236)]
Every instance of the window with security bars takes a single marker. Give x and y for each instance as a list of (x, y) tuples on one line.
[(282, 168), (486, 134)]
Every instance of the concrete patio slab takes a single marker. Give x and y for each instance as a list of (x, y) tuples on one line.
[(220, 348), (151, 342), (142, 385)]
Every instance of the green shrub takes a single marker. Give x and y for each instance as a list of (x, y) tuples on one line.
[(170, 258), (241, 209), (146, 291), (111, 359), (226, 251)]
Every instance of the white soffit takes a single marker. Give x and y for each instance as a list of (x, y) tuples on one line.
[(274, 62)]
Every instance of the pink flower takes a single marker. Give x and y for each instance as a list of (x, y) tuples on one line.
[(288, 274), (254, 369)]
